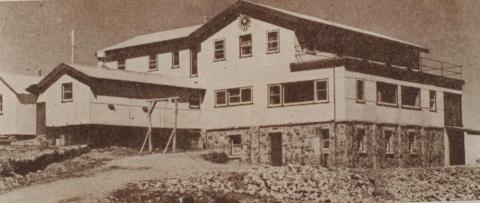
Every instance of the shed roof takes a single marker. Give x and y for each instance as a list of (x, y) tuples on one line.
[(18, 83), (155, 37), (93, 73)]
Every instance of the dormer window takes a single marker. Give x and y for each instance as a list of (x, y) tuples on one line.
[(121, 64), (219, 53), (273, 42), (152, 65), (245, 46)]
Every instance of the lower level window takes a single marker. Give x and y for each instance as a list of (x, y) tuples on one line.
[(388, 141), (194, 101), (360, 137), (233, 96), (298, 92), (235, 144), (412, 141)]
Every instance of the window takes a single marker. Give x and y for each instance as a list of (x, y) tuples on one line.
[(1, 104), (194, 67), (245, 45), (233, 96), (412, 142), (386, 93), (360, 91), (235, 145), (321, 90), (221, 98), (219, 47), (121, 64), (176, 58), (326, 138), (411, 97), (361, 140), (67, 92), (272, 42), (388, 141), (433, 101), (298, 92), (152, 64), (194, 101)]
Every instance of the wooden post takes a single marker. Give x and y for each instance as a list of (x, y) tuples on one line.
[(174, 144), (148, 136)]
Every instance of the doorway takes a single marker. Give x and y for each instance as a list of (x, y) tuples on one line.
[(456, 140), (41, 119), (276, 152)]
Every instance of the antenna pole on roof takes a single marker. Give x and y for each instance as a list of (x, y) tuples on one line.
[(72, 39)]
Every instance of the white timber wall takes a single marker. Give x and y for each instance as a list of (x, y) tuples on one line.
[(370, 111), (257, 71), (26, 119), (60, 113), (8, 120)]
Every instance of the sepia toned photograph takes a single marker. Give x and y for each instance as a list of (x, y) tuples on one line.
[(239, 101)]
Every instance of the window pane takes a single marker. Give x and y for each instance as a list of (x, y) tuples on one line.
[(219, 49), (272, 36), (387, 93), (175, 58), (221, 98), (274, 92), (272, 41), (194, 70), (67, 91), (433, 100), (322, 90), (411, 96), (246, 95), (234, 95), (246, 45), (361, 139), (360, 90), (298, 92), (326, 138), (411, 141), (194, 101)]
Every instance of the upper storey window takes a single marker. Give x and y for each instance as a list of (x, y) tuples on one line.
[(152, 64), (176, 58), (246, 45), (387, 93), (410, 97), (194, 65), (121, 64), (67, 92), (219, 53), (273, 43)]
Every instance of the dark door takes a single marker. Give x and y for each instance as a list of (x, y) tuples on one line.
[(41, 119), (453, 109), (276, 149), (456, 141)]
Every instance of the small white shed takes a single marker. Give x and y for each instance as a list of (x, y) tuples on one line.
[(17, 106)]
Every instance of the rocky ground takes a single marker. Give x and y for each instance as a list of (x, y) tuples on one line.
[(76, 167), (311, 184)]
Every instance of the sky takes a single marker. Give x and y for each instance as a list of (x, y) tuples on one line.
[(34, 35)]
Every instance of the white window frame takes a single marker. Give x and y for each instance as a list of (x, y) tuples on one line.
[(223, 50), (280, 95), (216, 98), (235, 149), (1, 104), (433, 108), (175, 52), (317, 90), (419, 98), (412, 145), (277, 50), (360, 100), (246, 45), (386, 103), (239, 96), (389, 142), (63, 92), (152, 63)]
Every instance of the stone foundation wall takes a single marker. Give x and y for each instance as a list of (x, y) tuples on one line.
[(305, 144)]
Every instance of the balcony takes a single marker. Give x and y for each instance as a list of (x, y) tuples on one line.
[(440, 68)]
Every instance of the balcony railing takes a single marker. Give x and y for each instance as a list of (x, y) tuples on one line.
[(442, 68)]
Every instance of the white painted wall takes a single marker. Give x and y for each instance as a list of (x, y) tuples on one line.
[(370, 111), (8, 120), (59, 113), (257, 71), (472, 149), (26, 119)]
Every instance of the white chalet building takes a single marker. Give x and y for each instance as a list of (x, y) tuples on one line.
[(267, 86)]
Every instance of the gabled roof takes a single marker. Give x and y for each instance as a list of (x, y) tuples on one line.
[(288, 19), (19, 84), (92, 75), (155, 37)]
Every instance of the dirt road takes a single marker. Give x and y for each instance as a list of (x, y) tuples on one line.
[(114, 175)]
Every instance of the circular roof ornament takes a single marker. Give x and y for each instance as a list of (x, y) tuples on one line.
[(244, 22)]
